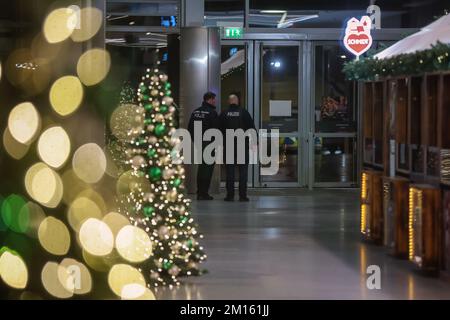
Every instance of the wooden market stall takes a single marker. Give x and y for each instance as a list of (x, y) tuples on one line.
[(405, 187)]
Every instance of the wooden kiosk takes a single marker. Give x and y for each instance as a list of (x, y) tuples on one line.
[(405, 186), (414, 167)]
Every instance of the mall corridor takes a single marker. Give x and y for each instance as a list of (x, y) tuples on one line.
[(296, 244)]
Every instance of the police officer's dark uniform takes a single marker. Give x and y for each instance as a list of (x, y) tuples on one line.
[(208, 116), (236, 117)]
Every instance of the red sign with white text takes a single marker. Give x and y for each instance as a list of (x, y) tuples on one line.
[(357, 38)]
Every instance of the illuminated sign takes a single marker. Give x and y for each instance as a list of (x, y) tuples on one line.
[(357, 38), (168, 22), (233, 33)]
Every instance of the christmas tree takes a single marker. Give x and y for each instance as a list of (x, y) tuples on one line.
[(157, 202)]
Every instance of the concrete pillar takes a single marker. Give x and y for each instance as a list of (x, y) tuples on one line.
[(192, 13), (200, 65), (98, 41)]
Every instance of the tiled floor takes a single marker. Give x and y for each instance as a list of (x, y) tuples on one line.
[(296, 244)]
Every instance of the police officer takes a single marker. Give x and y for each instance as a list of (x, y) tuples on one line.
[(236, 117), (208, 117)]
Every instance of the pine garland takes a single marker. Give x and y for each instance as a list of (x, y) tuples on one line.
[(432, 60)]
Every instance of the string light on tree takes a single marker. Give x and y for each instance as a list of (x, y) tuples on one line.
[(164, 213)]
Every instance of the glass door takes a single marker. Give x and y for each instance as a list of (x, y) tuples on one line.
[(334, 118), (278, 70)]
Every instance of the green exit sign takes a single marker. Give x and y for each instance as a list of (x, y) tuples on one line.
[(233, 33)]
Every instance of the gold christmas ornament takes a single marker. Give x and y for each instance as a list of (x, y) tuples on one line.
[(168, 101)]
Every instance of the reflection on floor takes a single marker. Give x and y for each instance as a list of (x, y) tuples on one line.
[(295, 244)]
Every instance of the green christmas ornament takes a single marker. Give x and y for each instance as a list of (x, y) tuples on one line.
[(151, 153), (167, 86), (167, 265), (160, 130), (163, 109), (155, 173), (143, 88), (148, 121), (149, 211), (183, 219), (177, 182), (168, 93), (148, 106), (144, 97)]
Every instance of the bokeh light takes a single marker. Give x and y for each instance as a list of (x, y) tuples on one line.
[(17, 66), (93, 66), (27, 295), (136, 292), (95, 197), (50, 277), (54, 236), (24, 122), (82, 209), (89, 163), (3, 226), (13, 269), (10, 209), (59, 25), (44, 185), (122, 275), (101, 264), (13, 147), (30, 74), (54, 147), (133, 244), (127, 121), (129, 183), (72, 186), (33, 215), (75, 276), (96, 237), (90, 22), (66, 95), (40, 48), (116, 222), (112, 164)]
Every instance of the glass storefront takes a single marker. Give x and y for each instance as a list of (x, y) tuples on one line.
[(334, 160), (287, 162), (279, 85), (234, 73), (306, 98), (335, 117), (279, 105)]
